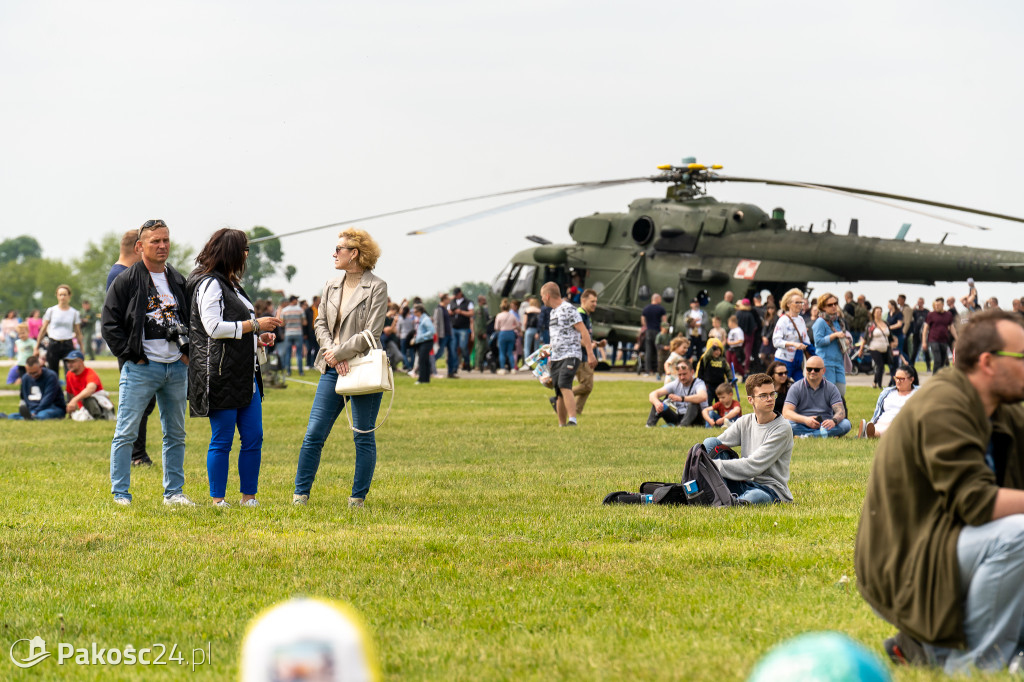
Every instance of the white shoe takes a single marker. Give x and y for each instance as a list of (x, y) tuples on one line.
[(513, 370), (411, 372), (180, 499), (300, 500), (502, 371), (123, 501), (249, 503), (223, 504), (355, 503)]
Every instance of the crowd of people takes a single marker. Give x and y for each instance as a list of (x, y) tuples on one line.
[(938, 550)]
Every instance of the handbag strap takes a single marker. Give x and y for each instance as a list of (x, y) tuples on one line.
[(371, 340), (392, 402)]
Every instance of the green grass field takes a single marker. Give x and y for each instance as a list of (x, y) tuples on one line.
[(483, 552)]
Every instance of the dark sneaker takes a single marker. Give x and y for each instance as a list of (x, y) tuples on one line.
[(25, 412), (905, 650), (622, 497), (143, 461)]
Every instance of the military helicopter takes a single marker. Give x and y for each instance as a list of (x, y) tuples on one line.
[(689, 245)]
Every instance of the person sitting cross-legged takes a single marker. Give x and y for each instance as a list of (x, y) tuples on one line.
[(686, 397), (41, 395), (814, 402), (761, 475), (725, 411)]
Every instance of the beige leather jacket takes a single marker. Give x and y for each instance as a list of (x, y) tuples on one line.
[(367, 312)]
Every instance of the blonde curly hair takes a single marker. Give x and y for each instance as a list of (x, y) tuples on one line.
[(361, 241)]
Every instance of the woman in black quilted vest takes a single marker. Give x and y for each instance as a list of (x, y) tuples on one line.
[(224, 380)]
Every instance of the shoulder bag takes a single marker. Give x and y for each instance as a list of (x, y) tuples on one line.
[(368, 373)]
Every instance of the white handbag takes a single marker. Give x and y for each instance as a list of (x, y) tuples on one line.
[(368, 373)]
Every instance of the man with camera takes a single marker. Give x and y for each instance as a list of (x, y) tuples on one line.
[(145, 324)]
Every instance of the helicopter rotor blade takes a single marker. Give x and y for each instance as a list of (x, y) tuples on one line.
[(563, 186), (512, 206), (865, 193)]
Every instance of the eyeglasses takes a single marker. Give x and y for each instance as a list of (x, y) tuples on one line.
[(814, 369), (902, 378), (1009, 354), (766, 396)]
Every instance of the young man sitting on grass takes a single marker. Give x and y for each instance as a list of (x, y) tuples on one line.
[(761, 475), (725, 411)]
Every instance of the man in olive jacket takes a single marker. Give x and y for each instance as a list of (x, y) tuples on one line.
[(940, 546)]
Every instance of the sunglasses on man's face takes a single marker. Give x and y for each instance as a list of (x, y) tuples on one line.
[(814, 369)]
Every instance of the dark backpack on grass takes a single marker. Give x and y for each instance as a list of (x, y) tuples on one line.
[(712, 490)]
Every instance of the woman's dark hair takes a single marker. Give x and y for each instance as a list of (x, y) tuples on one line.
[(904, 367), (225, 253)]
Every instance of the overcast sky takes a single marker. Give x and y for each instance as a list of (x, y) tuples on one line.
[(210, 114)]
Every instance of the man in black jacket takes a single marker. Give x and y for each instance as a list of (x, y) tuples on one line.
[(145, 324)]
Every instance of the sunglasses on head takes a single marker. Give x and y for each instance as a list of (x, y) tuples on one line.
[(151, 225)]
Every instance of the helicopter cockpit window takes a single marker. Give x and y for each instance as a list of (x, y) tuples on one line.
[(498, 287), (524, 282)]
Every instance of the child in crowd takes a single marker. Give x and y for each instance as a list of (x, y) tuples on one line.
[(734, 344), (712, 369), (725, 411), (716, 331), (24, 348), (677, 351)]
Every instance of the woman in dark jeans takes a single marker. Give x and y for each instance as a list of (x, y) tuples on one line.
[(63, 324), (350, 304)]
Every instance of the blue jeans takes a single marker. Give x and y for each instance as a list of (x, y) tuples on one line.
[(991, 559), (714, 416), (453, 354), (286, 352), (795, 367), (837, 431), (530, 341), (249, 421), (45, 413), (462, 343), (138, 384), (506, 348), (326, 409), (748, 491)]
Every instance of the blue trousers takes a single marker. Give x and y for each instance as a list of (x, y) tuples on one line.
[(748, 491), (249, 421), (45, 413), (837, 431), (506, 348), (326, 409)]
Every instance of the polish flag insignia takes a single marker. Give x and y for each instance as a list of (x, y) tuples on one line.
[(746, 269)]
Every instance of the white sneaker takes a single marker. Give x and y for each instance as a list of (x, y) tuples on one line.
[(223, 504), (355, 503), (179, 499), (123, 501), (502, 371), (300, 500), (249, 503)]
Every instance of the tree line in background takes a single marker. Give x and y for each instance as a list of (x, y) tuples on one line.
[(28, 280)]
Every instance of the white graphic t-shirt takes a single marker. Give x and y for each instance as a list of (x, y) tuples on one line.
[(565, 340), (161, 315)]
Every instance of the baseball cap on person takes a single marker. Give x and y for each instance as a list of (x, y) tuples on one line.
[(745, 301), (74, 355)]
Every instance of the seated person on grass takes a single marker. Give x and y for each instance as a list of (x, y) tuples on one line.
[(85, 389), (814, 402), (686, 397), (761, 475), (725, 411), (890, 402), (41, 395)]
